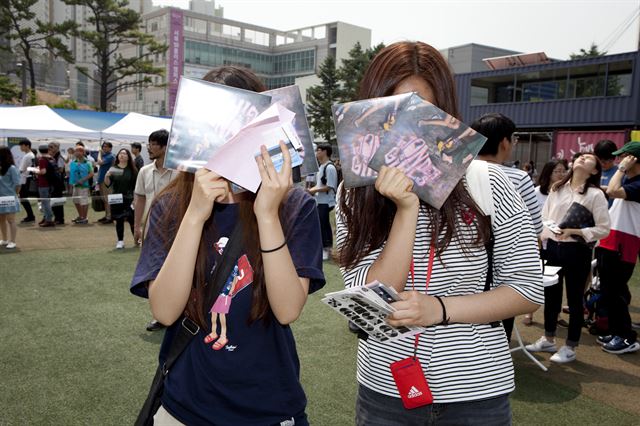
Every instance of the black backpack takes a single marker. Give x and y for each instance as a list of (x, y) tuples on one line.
[(323, 178)]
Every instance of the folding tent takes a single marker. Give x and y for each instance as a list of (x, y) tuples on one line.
[(40, 122), (135, 127)]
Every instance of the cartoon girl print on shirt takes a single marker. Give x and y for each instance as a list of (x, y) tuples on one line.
[(240, 277)]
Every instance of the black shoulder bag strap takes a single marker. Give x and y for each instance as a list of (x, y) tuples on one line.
[(188, 329), (488, 246)]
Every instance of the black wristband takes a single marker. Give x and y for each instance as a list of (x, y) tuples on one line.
[(445, 319), (275, 249)]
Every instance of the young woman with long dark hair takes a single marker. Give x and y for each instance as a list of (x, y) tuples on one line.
[(385, 231), (572, 249), (121, 178), (9, 187), (242, 369)]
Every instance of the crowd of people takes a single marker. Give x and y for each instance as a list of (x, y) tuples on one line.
[(227, 273)]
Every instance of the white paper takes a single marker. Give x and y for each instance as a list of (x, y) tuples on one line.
[(235, 160), (8, 201), (115, 198)]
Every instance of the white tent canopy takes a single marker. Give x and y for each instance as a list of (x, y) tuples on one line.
[(40, 122), (135, 127)]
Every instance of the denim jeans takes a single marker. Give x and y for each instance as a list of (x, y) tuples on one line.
[(46, 203), (375, 409)]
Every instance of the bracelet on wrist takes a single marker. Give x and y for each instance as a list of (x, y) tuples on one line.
[(622, 169), (275, 249), (445, 319)]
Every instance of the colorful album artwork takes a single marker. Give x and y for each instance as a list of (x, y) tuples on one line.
[(206, 116), (360, 127)]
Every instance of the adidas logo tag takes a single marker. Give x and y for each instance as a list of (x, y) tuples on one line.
[(414, 392)]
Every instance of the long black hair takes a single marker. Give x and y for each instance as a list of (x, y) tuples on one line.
[(6, 160)]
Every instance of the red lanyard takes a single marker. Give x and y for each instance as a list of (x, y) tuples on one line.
[(426, 286)]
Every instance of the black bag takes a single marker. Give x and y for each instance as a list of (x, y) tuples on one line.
[(577, 217), (188, 329), (97, 202)]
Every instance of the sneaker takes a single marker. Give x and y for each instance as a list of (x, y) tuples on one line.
[(563, 323), (4, 242), (325, 254), (59, 222), (28, 220), (82, 221), (565, 354), (541, 345), (76, 219), (603, 340), (11, 245), (618, 345), (120, 245), (154, 325)]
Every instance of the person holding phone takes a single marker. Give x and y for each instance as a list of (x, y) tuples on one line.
[(248, 371), (386, 233)]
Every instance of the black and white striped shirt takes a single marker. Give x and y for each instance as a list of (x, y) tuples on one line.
[(462, 362), (524, 185)]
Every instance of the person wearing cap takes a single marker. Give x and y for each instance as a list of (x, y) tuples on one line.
[(617, 254)]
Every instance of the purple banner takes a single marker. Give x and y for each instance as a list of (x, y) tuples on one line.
[(176, 55)]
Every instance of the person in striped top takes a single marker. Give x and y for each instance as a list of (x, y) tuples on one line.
[(499, 129), (383, 230)]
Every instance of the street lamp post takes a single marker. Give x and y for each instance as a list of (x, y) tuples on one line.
[(23, 74)]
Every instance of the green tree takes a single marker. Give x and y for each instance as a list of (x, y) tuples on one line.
[(112, 25), (353, 68), (30, 36), (8, 90), (321, 98), (592, 52)]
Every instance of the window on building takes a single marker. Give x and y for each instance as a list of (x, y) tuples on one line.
[(587, 81), (256, 37), (619, 78), (543, 85), (491, 90), (320, 32), (231, 31)]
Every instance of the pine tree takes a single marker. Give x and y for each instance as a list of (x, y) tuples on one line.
[(32, 36), (113, 25), (8, 90), (352, 70), (321, 98)]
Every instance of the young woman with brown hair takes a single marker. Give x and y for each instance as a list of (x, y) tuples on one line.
[(572, 249), (248, 371), (384, 232)]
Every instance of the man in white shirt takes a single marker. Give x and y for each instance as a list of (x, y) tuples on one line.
[(151, 180), (499, 129), (25, 178), (325, 193)]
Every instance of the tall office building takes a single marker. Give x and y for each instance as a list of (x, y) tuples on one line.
[(198, 42)]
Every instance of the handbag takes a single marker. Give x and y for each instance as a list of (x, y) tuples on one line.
[(577, 217), (188, 329), (97, 203)]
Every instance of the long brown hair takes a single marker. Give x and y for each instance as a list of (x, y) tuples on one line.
[(368, 214), (593, 180), (176, 197)]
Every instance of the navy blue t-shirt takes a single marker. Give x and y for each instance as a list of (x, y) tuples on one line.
[(254, 378)]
